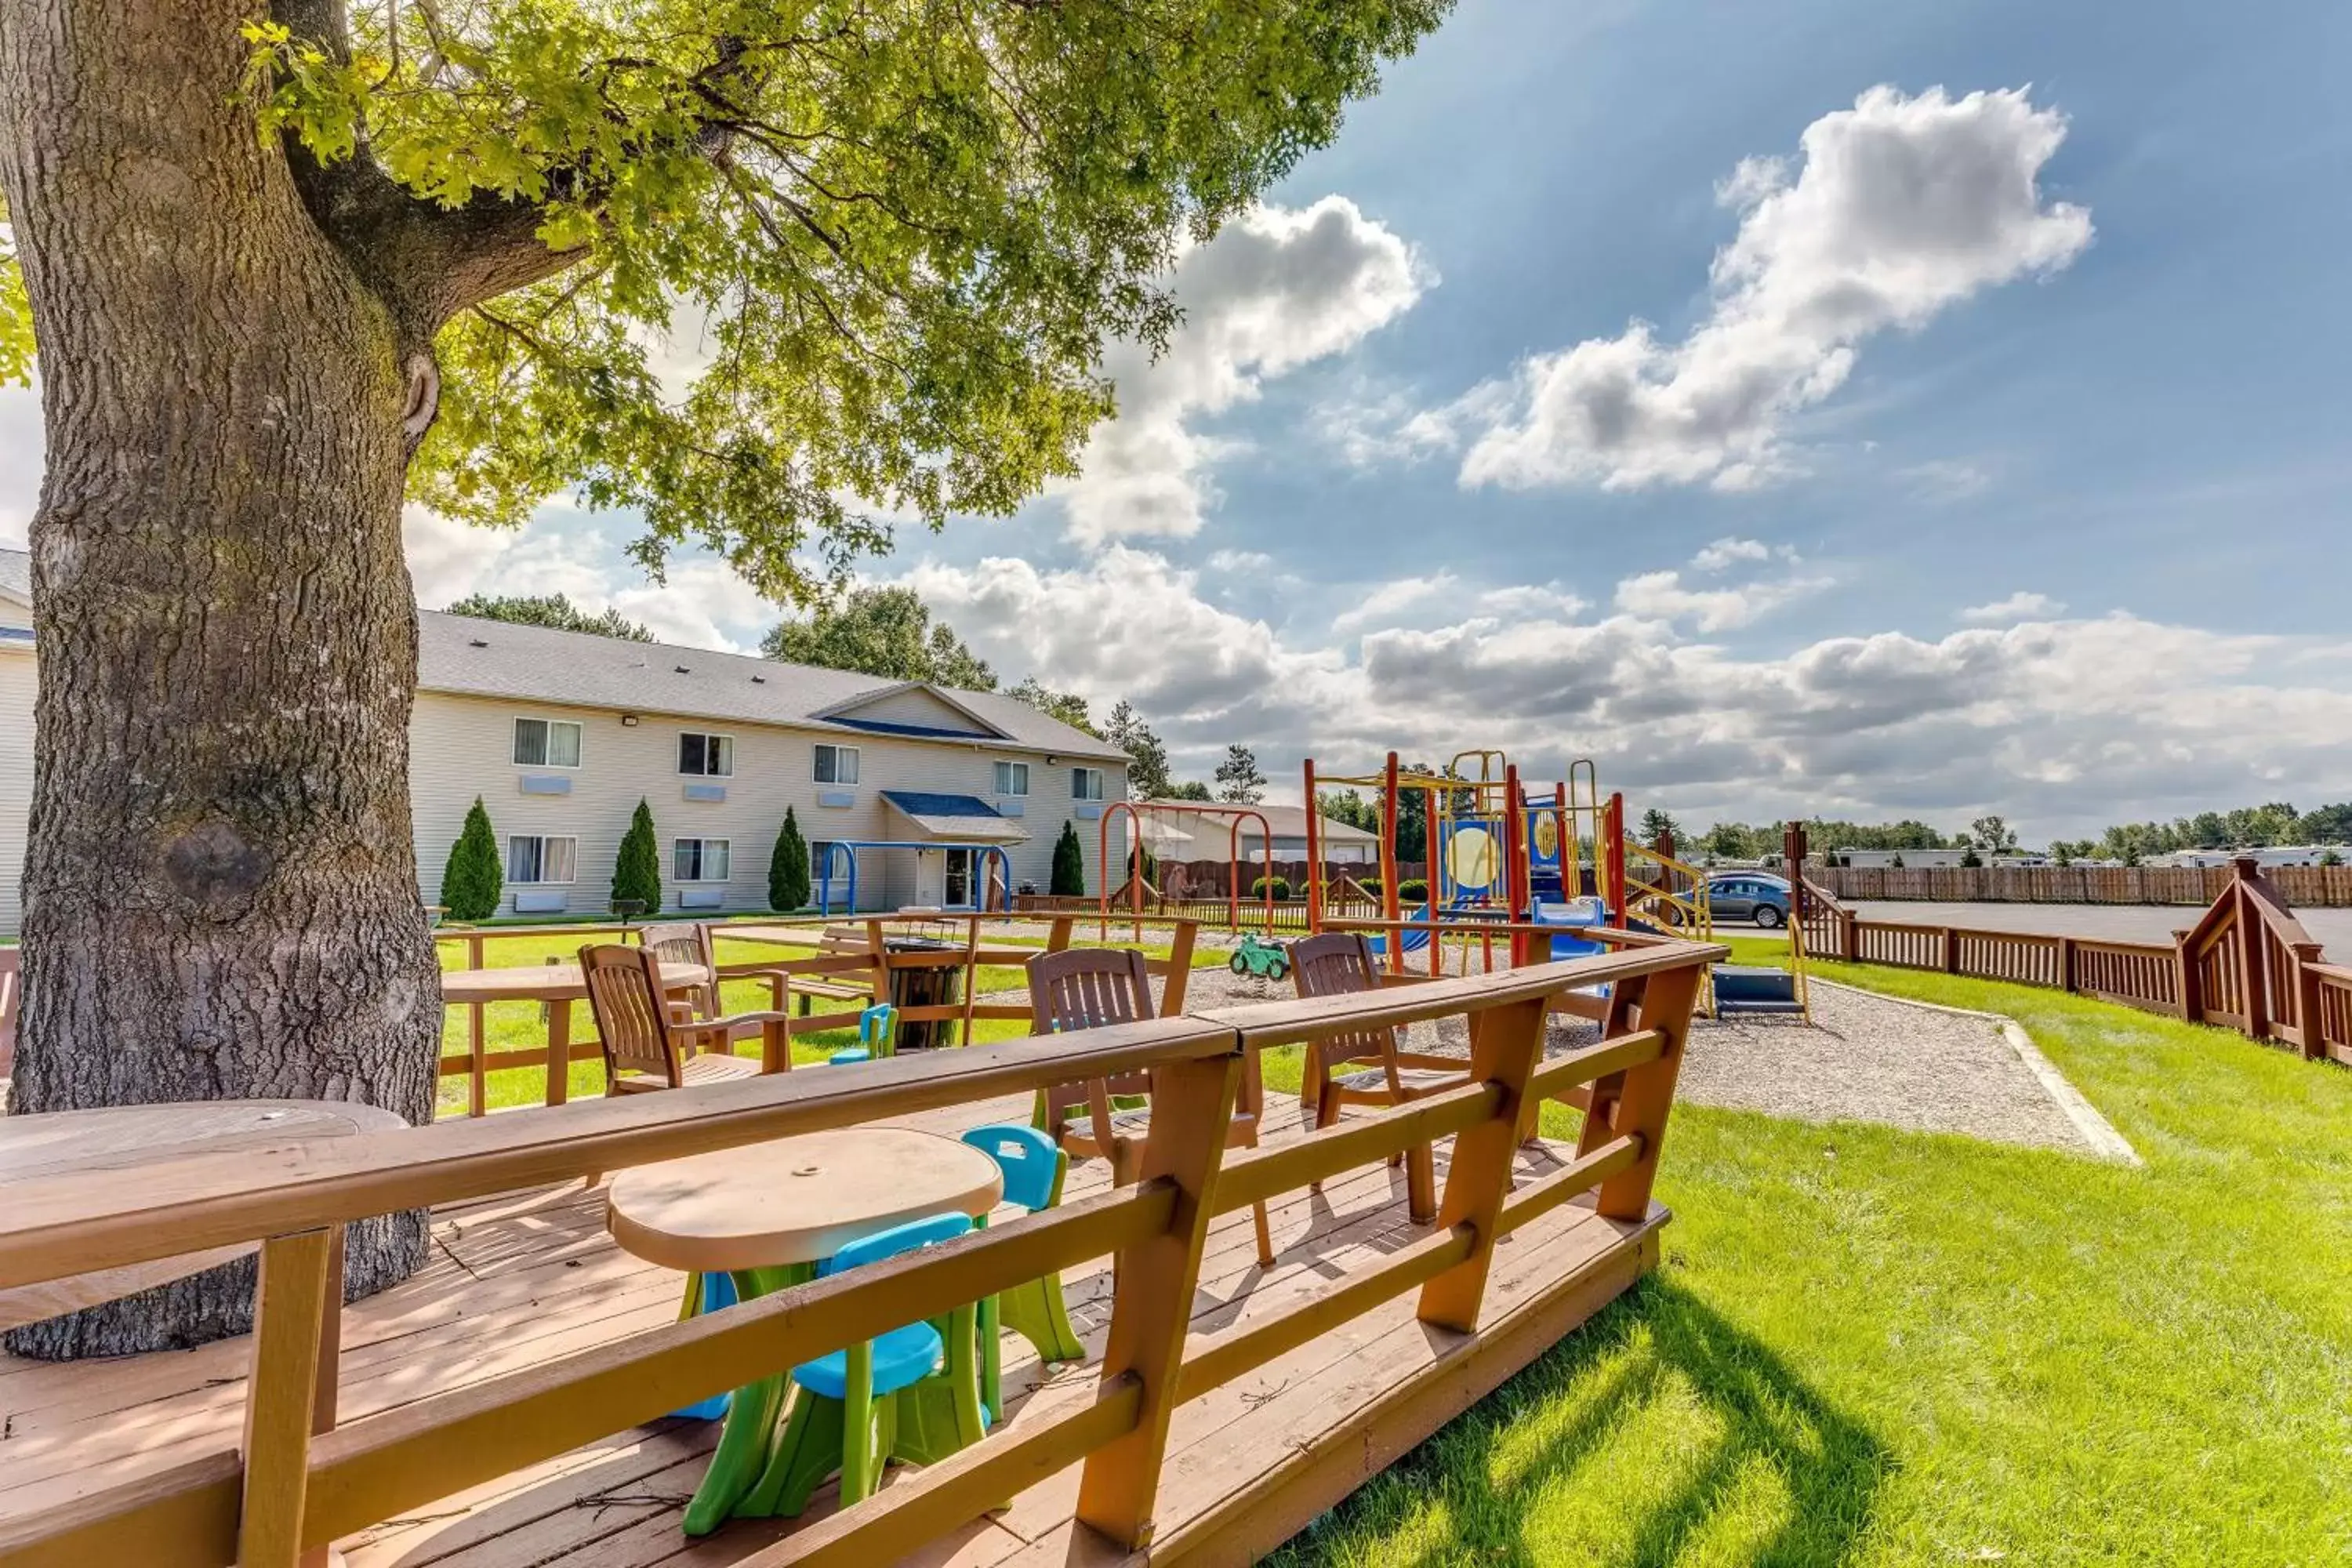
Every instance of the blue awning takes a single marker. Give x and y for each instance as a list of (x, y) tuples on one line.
[(957, 817)]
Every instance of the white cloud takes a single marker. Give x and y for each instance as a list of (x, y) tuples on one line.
[(702, 604), (2019, 606), (1277, 288), (20, 462), (1383, 603), (1662, 595), (1901, 208), (1724, 552), (1240, 560), (2063, 726)]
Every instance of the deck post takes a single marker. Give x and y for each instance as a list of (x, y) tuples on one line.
[(2185, 976), (1505, 1045), (1179, 967), (1646, 1096), (1151, 1295), (2066, 963), (289, 1392)]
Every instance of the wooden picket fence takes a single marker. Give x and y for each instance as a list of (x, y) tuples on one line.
[(2309, 887), (2247, 963)]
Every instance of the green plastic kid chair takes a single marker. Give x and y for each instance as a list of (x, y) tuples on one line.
[(909, 1393), (1033, 1166)]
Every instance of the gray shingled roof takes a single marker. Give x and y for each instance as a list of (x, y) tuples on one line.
[(536, 664), (17, 573)]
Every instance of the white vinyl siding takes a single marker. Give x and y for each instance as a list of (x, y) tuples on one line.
[(1012, 778), (1086, 784), (538, 859), (451, 736), (836, 764), (17, 679), (546, 744), (699, 860), (706, 756)]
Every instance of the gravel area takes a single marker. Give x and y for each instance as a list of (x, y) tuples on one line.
[(1876, 1059), (1863, 1057)]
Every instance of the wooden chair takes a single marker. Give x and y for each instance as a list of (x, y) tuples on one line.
[(691, 943), (1087, 988), (645, 1045), (1367, 1066)]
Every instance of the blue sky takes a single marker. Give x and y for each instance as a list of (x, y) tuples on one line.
[(1997, 464)]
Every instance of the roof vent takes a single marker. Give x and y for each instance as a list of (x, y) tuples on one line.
[(683, 671), (759, 681), (475, 642)]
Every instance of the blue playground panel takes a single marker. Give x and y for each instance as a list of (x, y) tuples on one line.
[(1747, 988)]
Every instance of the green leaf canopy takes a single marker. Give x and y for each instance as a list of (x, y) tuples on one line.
[(808, 256)]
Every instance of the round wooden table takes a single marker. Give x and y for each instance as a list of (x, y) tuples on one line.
[(68, 1142), (557, 983), (766, 1214)]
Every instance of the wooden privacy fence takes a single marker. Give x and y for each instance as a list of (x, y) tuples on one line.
[(2312, 887), (300, 1480), (2247, 963)]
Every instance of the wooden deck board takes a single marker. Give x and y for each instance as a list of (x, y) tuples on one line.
[(522, 1278)]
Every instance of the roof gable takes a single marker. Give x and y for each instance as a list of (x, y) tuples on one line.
[(916, 708)]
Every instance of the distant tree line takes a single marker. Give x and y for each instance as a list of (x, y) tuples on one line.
[(2247, 827)]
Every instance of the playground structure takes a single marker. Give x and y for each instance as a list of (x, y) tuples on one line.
[(969, 876), (1536, 871), (1132, 890)]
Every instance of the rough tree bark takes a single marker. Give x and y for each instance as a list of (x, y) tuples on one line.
[(235, 358)]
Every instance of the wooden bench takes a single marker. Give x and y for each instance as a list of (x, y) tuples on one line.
[(840, 985)]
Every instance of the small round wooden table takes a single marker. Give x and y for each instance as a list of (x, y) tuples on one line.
[(73, 1142), (557, 984), (766, 1214)]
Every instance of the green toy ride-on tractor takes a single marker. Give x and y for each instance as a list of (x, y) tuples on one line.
[(1262, 957)]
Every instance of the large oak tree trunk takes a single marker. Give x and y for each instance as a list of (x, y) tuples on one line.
[(220, 896)]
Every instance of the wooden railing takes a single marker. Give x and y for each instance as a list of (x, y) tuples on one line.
[(799, 937), (300, 1480), (2247, 964)]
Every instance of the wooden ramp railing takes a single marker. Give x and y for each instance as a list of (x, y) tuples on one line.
[(2247, 964), (302, 1480)]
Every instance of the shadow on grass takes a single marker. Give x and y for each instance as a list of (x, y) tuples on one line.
[(1658, 1380)]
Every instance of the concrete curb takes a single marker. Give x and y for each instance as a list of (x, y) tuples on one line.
[(2105, 1142)]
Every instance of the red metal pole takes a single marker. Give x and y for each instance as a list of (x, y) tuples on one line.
[(1395, 943), (1265, 867), (1314, 856), (1612, 887)]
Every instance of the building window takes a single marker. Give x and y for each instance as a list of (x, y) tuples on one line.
[(707, 756), (699, 860), (836, 764), (539, 859), (1012, 778), (1086, 784), (546, 744)]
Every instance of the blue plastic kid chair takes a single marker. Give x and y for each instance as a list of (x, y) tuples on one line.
[(705, 1293), (856, 1409), (1034, 1167)]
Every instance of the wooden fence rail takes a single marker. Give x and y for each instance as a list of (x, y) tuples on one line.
[(299, 1482), (2247, 964), (2311, 887)]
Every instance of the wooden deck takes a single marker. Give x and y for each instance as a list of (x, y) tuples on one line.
[(517, 1280)]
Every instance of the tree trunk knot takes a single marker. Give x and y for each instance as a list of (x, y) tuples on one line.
[(424, 399), (212, 864)]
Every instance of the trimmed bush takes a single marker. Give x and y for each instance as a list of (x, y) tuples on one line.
[(1280, 885), (1070, 879), (788, 869), (636, 871), (473, 879), (1412, 890)]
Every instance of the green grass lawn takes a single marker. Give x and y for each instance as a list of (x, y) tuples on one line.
[(1868, 1346)]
